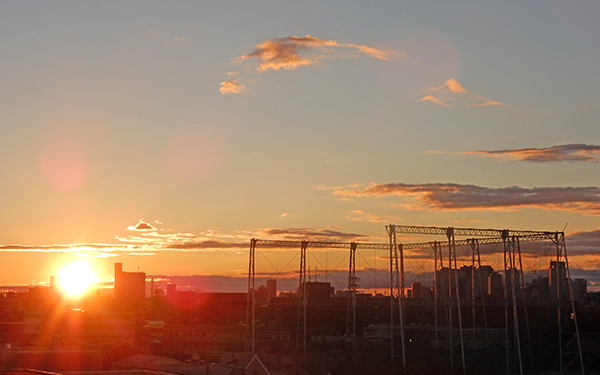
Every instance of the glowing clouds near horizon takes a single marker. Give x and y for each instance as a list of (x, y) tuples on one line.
[(63, 163), (561, 153), (193, 154), (440, 196), (75, 279)]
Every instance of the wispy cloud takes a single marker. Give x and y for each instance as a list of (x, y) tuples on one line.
[(289, 53), (315, 234), (152, 240), (231, 87), (88, 248), (358, 215), (452, 94), (570, 153), (286, 53), (215, 241), (459, 197)]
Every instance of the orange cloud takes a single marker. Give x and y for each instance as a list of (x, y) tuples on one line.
[(584, 242), (435, 100), (491, 102), (285, 53), (231, 87), (461, 197), (308, 234), (453, 86), (452, 91), (289, 53), (569, 153), (358, 215)]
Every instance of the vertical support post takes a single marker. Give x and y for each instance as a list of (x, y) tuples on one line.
[(558, 283), (562, 251), (524, 299), (250, 300), (473, 309), (449, 302), (475, 243), (438, 265), (452, 251), (505, 285), (302, 304), (351, 302), (400, 273), (391, 229), (513, 279)]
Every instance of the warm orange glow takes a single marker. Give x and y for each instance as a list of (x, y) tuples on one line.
[(75, 279)]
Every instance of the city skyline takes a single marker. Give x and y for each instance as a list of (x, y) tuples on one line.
[(166, 135)]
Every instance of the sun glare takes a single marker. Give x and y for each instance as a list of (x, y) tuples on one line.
[(75, 279)]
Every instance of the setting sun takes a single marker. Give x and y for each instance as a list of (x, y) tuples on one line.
[(76, 278)]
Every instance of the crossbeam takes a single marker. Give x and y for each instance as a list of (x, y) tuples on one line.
[(467, 232)]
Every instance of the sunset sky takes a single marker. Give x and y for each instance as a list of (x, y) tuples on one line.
[(165, 135)]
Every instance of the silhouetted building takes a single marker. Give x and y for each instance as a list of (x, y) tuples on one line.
[(129, 289), (267, 292), (271, 288), (495, 288), (472, 282), (317, 290), (558, 281), (579, 288), (416, 290), (513, 276)]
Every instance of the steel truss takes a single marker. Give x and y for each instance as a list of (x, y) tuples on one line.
[(302, 298), (514, 301), (568, 335)]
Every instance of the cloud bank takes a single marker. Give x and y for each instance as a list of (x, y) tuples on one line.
[(459, 197), (452, 94), (577, 152), (214, 241), (584, 242)]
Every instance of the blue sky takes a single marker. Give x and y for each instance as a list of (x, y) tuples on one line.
[(111, 114)]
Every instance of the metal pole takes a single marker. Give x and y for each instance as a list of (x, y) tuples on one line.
[(514, 303), (351, 307), (250, 300), (574, 313), (452, 246), (485, 323), (524, 298), (302, 303), (505, 285), (558, 310), (392, 235), (400, 301)]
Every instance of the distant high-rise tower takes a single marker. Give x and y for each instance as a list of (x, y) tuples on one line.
[(417, 290), (271, 288), (558, 282), (129, 289)]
